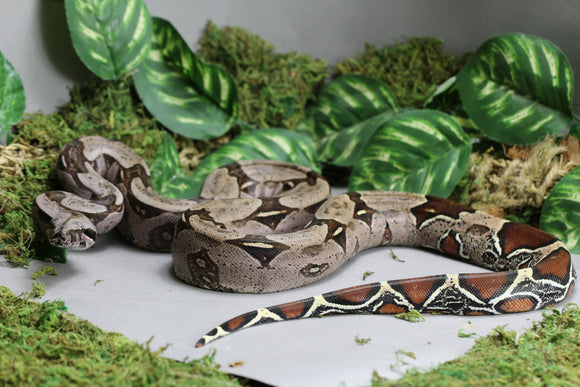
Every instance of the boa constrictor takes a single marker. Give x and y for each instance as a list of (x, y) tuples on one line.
[(264, 226)]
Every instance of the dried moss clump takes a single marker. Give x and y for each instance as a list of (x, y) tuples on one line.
[(412, 70), (43, 345), (273, 88), (518, 180), (548, 354)]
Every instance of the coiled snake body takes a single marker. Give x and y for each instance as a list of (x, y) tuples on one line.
[(263, 226)]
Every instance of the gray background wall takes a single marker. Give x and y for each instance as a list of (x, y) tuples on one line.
[(34, 35)]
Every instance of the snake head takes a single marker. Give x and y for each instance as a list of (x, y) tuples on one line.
[(77, 232)]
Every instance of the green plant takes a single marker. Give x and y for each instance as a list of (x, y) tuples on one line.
[(517, 89), (188, 96), (546, 354), (12, 98), (560, 213), (357, 122), (111, 37)]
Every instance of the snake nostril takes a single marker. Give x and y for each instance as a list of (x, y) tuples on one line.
[(90, 233)]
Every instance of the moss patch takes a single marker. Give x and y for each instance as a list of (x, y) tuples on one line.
[(111, 109), (548, 354), (273, 88), (42, 344), (412, 70)]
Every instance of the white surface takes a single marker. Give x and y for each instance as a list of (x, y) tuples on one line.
[(139, 296)]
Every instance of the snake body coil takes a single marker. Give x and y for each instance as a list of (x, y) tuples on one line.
[(263, 226)]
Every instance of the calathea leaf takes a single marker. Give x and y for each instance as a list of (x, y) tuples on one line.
[(12, 98), (188, 96), (111, 37), (517, 88), (421, 151), (561, 211), (345, 114), (344, 148), (264, 144), (441, 89), (575, 130), (169, 179)]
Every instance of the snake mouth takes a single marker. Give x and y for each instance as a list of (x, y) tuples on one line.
[(80, 239)]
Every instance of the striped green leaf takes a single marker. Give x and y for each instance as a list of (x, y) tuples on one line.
[(169, 179), (111, 37), (344, 148), (517, 88), (561, 212), (354, 104), (441, 89), (12, 98), (575, 130), (188, 96), (265, 144), (423, 151)]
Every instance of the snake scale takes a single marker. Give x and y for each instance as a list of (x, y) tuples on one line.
[(264, 226)]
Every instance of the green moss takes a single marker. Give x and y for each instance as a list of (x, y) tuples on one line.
[(49, 132), (112, 109), (273, 87), (43, 345), (362, 341), (411, 316), (548, 354), (38, 288), (412, 70)]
